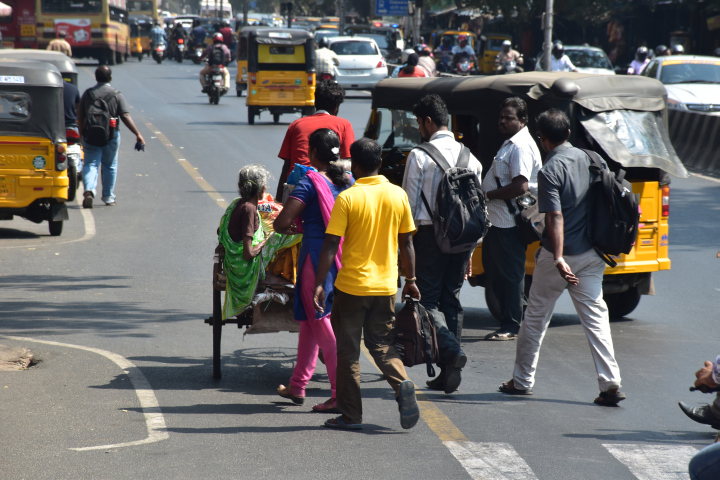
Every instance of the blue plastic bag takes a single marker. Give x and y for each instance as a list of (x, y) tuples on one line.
[(298, 172)]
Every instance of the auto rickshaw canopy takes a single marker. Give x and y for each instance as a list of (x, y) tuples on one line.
[(279, 37), (31, 100), (625, 115), (64, 64)]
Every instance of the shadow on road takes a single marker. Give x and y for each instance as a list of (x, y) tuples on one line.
[(674, 437)]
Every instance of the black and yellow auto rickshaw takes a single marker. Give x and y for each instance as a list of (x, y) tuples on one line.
[(33, 162), (622, 118), (64, 64), (140, 26), (281, 71)]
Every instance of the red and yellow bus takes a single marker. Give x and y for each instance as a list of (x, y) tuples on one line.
[(95, 28), (17, 24)]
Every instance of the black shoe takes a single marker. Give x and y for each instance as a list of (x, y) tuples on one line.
[(437, 383), (610, 398), (88, 201), (701, 414), (205, 90), (452, 373)]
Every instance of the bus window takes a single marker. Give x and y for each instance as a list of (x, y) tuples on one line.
[(79, 6), (139, 6), (118, 14)]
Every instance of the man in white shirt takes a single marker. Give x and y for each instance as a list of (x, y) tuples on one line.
[(439, 275), (463, 47), (513, 172), (325, 59), (559, 62), (641, 60)]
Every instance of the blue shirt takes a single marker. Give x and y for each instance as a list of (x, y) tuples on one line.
[(158, 35), (198, 34)]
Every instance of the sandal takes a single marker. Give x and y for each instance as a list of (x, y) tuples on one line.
[(328, 406), (510, 389), (501, 336), (286, 392), (338, 422)]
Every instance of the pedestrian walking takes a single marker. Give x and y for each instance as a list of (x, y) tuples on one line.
[(439, 275), (328, 97), (97, 153), (513, 173), (312, 200), (566, 260), (374, 218), (60, 44)]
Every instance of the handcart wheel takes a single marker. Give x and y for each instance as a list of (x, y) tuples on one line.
[(217, 332)]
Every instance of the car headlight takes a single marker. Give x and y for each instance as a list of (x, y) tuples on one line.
[(675, 105)]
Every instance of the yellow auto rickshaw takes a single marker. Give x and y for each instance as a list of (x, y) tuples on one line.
[(33, 162), (492, 45), (140, 26), (280, 71), (624, 119)]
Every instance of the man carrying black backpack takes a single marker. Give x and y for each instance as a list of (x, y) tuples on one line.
[(100, 108), (439, 275), (567, 260), (217, 55)]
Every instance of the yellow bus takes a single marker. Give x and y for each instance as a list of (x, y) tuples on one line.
[(143, 7), (95, 28)]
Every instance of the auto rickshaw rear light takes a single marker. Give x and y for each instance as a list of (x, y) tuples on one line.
[(310, 80), (253, 79), (378, 24), (60, 158), (666, 201), (60, 149)]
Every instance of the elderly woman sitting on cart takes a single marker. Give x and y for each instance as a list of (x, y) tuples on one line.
[(248, 250)]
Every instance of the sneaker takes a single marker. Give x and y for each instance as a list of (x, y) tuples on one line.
[(701, 414), (111, 203), (452, 373), (407, 404), (88, 200), (610, 398)]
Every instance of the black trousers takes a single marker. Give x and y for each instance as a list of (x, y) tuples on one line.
[(439, 279), (503, 256)]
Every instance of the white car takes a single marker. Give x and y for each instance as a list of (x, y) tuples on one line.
[(692, 82), (362, 65), (586, 60)]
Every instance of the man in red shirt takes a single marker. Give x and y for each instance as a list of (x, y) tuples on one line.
[(328, 97), (227, 34)]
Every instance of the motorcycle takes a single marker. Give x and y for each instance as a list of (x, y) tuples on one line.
[(215, 84), (195, 52), (509, 66), (74, 156), (158, 53), (179, 50), (463, 65)]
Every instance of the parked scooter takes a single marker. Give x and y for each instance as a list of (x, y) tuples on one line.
[(158, 52), (215, 84)]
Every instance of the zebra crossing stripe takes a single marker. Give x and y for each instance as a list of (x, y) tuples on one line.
[(654, 462), (491, 461)]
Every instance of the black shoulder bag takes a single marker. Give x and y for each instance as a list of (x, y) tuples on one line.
[(528, 218)]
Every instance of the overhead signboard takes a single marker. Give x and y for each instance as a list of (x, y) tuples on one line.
[(394, 8)]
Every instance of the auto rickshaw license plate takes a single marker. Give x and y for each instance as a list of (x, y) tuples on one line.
[(280, 95), (6, 187)]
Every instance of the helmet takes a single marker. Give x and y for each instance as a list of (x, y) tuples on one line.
[(225, 23), (661, 50), (462, 38), (717, 52), (677, 50), (419, 48), (405, 54), (506, 45), (641, 54), (558, 50), (217, 37), (446, 40)]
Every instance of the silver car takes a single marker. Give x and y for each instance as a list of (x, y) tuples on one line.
[(586, 60), (692, 82), (362, 65)]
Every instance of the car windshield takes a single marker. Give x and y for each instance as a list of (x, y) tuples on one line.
[(697, 71), (381, 40), (397, 128), (586, 58), (353, 48), (14, 107)]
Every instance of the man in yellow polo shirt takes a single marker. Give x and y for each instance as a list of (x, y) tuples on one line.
[(374, 217)]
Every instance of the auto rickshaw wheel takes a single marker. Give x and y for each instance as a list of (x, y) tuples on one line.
[(55, 227), (276, 118), (621, 304), (73, 179), (251, 116)]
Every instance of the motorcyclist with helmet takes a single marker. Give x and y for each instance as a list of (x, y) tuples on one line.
[(228, 36), (677, 50), (462, 48), (641, 60), (217, 54), (661, 51), (198, 33), (559, 62), (425, 60), (178, 33), (507, 54)]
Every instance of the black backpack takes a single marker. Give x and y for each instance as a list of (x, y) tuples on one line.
[(415, 338), (460, 215), (217, 57), (97, 130), (613, 212)]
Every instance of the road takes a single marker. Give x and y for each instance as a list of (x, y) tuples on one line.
[(119, 300)]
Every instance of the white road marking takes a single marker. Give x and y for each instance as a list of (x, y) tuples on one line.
[(148, 402), (491, 461), (654, 462)]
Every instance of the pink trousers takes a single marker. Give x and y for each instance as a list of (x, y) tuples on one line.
[(314, 335)]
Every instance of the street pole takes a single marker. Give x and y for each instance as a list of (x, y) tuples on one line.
[(342, 17), (548, 26), (245, 13)]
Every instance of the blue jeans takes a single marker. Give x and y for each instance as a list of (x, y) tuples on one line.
[(705, 465), (108, 157)]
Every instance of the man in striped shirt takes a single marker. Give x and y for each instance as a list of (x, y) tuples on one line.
[(513, 172), (439, 275)]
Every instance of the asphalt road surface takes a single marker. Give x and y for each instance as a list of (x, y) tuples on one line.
[(114, 309)]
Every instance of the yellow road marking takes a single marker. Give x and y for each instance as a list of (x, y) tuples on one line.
[(430, 413)]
